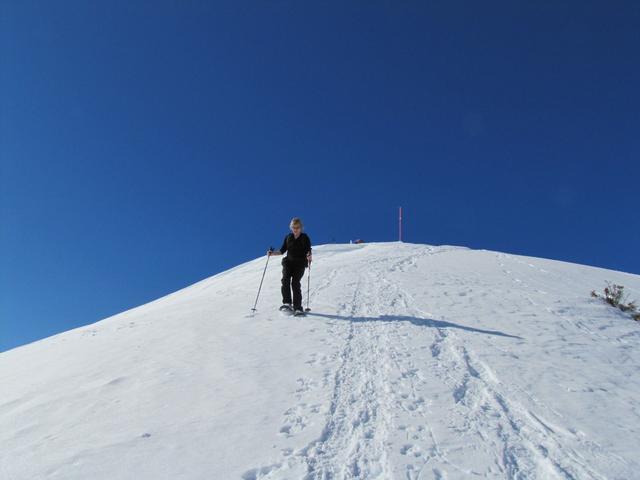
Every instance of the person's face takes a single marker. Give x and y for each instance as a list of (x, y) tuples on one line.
[(296, 229)]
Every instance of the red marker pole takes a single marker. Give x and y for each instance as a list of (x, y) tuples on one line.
[(400, 223)]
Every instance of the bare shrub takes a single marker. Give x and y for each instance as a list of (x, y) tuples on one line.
[(614, 295)]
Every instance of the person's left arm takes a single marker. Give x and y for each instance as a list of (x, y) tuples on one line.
[(309, 254)]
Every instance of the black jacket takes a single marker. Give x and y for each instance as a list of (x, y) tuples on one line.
[(297, 248)]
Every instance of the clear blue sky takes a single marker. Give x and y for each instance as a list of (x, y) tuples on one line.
[(145, 145)]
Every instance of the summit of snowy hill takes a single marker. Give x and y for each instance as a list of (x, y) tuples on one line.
[(415, 362)]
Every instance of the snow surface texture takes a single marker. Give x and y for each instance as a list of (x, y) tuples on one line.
[(416, 362)]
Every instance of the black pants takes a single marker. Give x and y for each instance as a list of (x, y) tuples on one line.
[(292, 272)]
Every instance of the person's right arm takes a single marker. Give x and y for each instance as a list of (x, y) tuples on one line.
[(283, 249)]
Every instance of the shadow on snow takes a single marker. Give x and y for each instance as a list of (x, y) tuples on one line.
[(420, 322)]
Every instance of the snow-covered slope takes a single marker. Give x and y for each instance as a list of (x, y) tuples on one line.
[(416, 362)]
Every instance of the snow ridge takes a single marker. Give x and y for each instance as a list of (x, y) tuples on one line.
[(416, 362)]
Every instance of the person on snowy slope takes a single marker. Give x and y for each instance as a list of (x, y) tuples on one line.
[(298, 247)]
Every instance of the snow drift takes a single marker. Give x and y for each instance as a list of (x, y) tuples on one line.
[(415, 362)]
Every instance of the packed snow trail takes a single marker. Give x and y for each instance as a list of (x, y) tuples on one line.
[(416, 362)]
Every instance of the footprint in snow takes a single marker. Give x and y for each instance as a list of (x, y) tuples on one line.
[(410, 449)]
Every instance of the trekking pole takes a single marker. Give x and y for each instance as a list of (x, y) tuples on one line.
[(261, 280), (308, 309)]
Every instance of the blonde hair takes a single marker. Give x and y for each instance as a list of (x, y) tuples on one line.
[(295, 221)]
